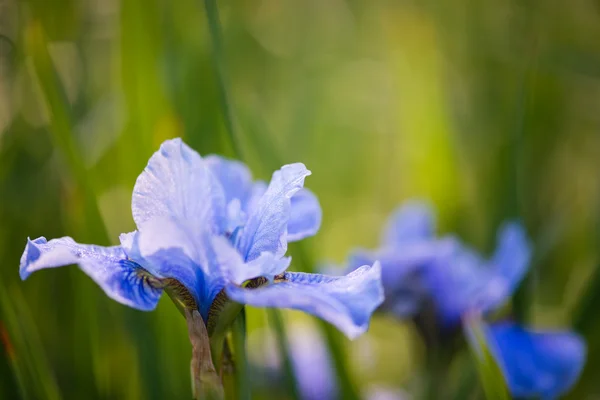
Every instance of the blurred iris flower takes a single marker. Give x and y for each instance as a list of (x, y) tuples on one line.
[(420, 270), (208, 234), (417, 267)]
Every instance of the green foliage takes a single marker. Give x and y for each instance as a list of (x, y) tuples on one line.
[(488, 109)]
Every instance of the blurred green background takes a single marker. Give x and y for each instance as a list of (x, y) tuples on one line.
[(491, 109)]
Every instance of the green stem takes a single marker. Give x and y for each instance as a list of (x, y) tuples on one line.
[(282, 345), (216, 36), (206, 383), (238, 333)]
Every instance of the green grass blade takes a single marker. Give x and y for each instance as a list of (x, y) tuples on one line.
[(238, 334), (26, 353), (490, 375), (61, 126), (216, 36)]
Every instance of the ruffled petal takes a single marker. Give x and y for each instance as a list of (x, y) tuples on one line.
[(542, 364), (344, 301), (305, 216), (414, 220), (121, 279), (267, 224), (235, 270), (178, 184)]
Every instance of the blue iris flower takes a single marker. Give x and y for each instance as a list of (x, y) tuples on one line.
[(205, 226), (419, 269), (543, 364)]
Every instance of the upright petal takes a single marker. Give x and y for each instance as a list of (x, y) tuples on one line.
[(177, 184), (121, 279), (344, 301), (305, 216), (542, 364), (234, 176), (414, 220), (267, 225), (460, 280), (513, 253)]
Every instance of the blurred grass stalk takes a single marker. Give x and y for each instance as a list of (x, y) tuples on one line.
[(490, 375), (61, 127), (24, 347)]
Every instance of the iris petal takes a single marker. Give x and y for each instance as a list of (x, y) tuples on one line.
[(414, 220), (344, 301), (121, 279), (461, 281), (267, 225), (305, 216), (545, 363), (234, 176), (177, 183), (232, 266), (513, 253), (169, 249)]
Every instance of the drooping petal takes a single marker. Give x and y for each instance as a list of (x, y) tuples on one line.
[(121, 279), (414, 220), (267, 225), (513, 253), (234, 176), (344, 301), (305, 216), (542, 364), (176, 183)]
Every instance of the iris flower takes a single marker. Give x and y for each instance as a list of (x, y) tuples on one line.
[(420, 269), (211, 236)]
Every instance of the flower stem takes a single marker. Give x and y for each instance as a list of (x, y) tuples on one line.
[(238, 334), (206, 384)]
